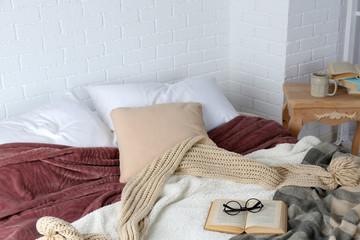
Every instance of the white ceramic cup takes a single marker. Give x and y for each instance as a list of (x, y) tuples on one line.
[(320, 85)]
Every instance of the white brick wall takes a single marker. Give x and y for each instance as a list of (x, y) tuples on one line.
[(315, 38), (257, 55), (50, 46)]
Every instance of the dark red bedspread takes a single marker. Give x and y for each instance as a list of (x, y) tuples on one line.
[(246, 134), (51, 180)]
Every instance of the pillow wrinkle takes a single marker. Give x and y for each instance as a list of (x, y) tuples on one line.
[(64, 122)]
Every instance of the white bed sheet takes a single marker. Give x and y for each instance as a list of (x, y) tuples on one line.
[(183, 204)]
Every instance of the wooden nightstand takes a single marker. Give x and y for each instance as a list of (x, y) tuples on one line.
[(300, 107)]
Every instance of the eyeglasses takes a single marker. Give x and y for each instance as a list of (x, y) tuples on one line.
[(252, 205)]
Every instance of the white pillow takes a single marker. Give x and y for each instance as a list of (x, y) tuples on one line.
[(65, 122), (217, 110)]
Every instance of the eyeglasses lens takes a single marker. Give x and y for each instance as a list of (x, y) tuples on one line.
[(232, 207), (254, 205)]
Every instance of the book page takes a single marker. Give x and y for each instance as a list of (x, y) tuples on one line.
[(269, 216), (341, 67), (352, 91), (221, 218), (357, 68)]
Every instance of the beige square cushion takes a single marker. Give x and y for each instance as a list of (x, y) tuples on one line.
[(145, 133)]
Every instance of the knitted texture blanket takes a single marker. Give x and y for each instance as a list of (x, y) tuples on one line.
[(57, 229), (199, 156)]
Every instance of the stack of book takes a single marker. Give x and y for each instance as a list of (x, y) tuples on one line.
[(347, 75)]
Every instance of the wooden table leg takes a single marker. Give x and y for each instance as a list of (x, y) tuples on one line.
[(356, 140), (285, 115), (295, 124)]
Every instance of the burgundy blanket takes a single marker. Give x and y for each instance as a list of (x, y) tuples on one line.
[(246, 134), (66, 182)]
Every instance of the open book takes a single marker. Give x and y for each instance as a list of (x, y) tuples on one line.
[(272, 219), (340, 70)]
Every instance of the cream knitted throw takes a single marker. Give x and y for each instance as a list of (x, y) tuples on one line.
[(199, 156), (57, 229)]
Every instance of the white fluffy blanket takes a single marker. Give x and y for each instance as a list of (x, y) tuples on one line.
[(183, 204)]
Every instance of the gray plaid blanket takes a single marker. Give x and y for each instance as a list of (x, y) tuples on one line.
[(314, 213)]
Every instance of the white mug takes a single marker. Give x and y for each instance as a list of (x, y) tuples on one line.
[(320, 85)]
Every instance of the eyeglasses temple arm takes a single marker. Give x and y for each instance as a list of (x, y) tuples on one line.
[(234, 209)]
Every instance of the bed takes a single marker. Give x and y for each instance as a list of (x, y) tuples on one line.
[(62, 160)]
